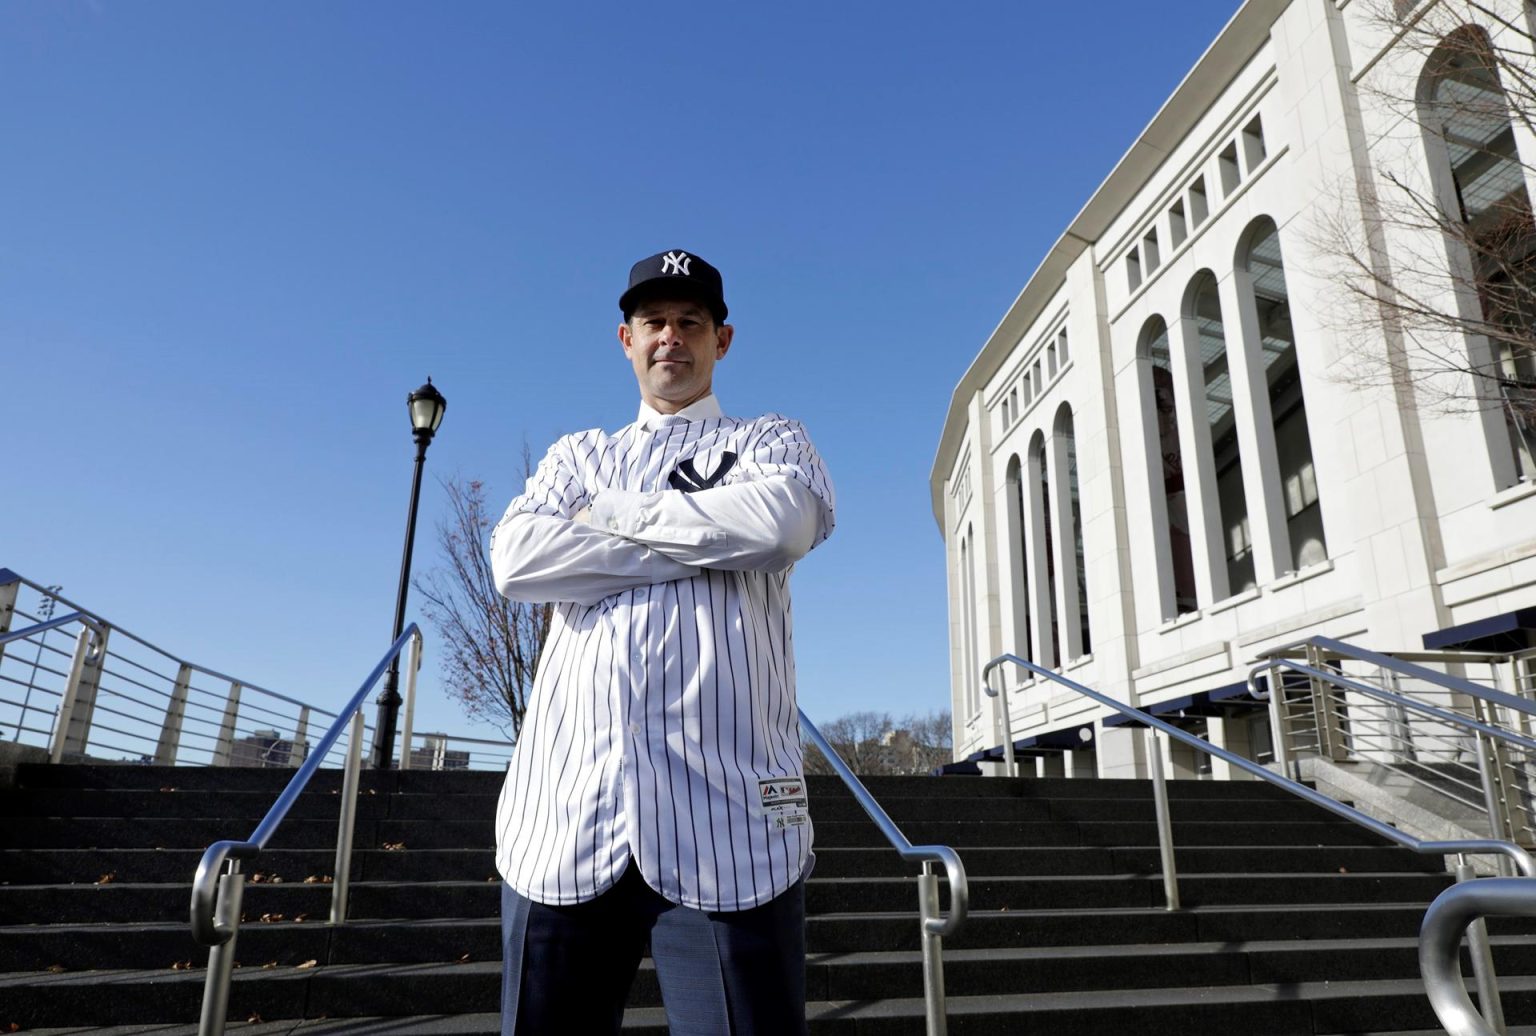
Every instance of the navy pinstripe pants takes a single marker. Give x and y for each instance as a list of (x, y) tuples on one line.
[(568, 969)]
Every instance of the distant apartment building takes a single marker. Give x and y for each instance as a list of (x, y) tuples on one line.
[(1182, 447), (263, 748), (434, 754)]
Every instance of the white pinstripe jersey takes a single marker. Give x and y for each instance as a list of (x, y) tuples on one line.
[(664, 707)]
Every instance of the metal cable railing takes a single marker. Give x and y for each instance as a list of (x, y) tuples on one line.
[(1463, 740), (134, 701), (1502, 778), (218, 886), (1481, 956)]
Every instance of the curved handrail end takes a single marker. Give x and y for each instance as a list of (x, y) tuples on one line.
[(205, 889), (959, 889), (999, 660), (1440, 938)]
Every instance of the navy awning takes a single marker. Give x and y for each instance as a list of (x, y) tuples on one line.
[(1508, 632), (1219, 701), (963, 768), (1066, 739)]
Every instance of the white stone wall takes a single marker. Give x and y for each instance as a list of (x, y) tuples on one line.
[(1419, 532)]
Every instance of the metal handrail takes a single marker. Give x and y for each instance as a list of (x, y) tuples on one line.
[(89, 647), (1496, 820), (1398, 665), (118, 631), (1451, 913), (934, 927), (218, 885), (1392, 698), (1446, 958), (1522, 859), (1464, 904), (85, 618)]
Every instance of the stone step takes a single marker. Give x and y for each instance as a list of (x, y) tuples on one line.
[(57, 866), (348, 994), (32, 776), (121, 901), (1235, 924), (1285, 907), (167, 833), (454, 782), (81, 946), (962, 835), (839, 975), (246, 808)]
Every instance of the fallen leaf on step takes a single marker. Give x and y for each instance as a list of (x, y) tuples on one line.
[(168, 788), (463, 960), (107, 879), (318, 879), (14, 1027), (269, 918), (1343, 870), (182, 965), (394, 847), (269, 965), (258, 877), (308, 964), (56, 969), (255, 1019), (300, 918), (276, 879)]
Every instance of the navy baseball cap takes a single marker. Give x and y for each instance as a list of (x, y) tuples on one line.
[(676, 274)]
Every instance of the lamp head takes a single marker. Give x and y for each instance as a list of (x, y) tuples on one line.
[(427, 406)]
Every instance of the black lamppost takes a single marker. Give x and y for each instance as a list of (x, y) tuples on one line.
[(427, 406)]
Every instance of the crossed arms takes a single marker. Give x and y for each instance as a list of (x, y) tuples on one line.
[(558, 543)]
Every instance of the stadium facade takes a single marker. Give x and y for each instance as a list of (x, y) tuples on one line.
[(1192, 438)]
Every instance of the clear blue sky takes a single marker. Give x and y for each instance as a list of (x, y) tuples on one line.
[(235, 236)]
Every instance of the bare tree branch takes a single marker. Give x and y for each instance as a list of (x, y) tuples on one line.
[(492, 645), (1433, 250), (871, 743)]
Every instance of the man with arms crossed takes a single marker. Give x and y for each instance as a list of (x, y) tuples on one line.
[(655, 796)]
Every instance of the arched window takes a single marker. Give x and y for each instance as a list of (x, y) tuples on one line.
[(1287, 406), (968, 667), (1158, 368), (1472, 146), (1203, 311), (1019, 540), (1045, 545), (1079, 638)]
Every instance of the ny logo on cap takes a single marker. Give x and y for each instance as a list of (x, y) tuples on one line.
[(676, 262)]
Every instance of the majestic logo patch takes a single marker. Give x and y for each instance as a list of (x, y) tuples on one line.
[(776, 790), (783, 801), (676, 263)]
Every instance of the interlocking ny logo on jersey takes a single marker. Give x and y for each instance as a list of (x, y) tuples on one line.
[(676, 262), (688, 479)]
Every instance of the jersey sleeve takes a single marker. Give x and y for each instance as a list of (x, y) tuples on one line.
[(779, 447), (539, 553)]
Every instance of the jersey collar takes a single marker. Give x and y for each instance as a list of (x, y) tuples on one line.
[(698, 410)]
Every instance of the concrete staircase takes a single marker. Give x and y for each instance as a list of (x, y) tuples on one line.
[(1294, 922)]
